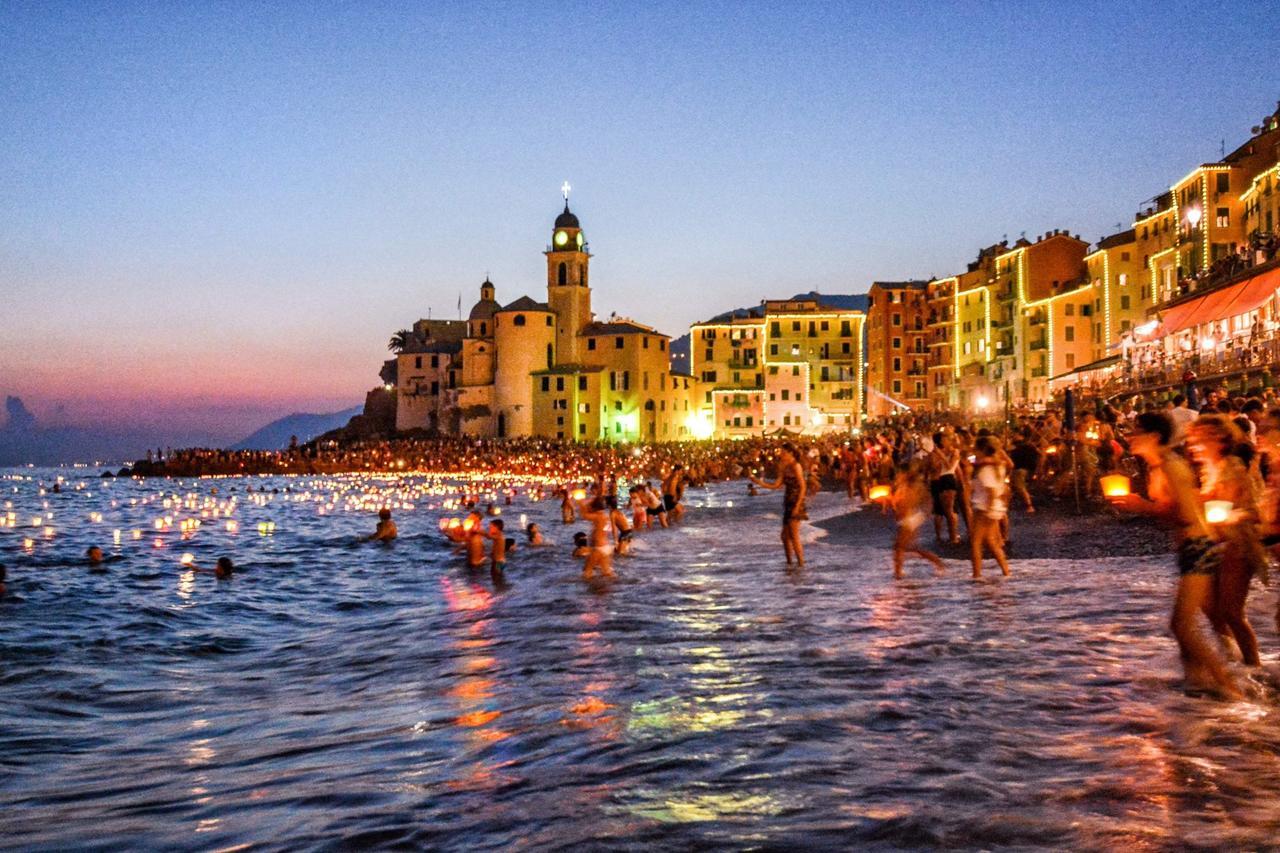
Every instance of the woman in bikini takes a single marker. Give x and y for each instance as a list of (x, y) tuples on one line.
[(791, 477), (1175, 500), (944, 463)]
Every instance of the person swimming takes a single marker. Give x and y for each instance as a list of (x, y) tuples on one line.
[(534, 534), (386, 530), (497, 548)]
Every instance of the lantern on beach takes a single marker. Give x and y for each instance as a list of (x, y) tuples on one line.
[(579, 494), (880, 492), (1217, 512), (1114, 485)]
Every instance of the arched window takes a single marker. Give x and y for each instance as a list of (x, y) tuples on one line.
[(563, 276), (519, 320)]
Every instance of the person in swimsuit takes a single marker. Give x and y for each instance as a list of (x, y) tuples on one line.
[(1212, 441), (599, 558), (1175, 500), (790, 478), (943, 463), (621, 529), (497, 549), (908, 502)]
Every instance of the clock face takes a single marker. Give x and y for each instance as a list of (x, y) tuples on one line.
[(579, 239), (562, 237)]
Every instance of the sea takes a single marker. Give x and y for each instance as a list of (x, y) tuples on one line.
[(342, 694)]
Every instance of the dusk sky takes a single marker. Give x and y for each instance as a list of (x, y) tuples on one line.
[(216, 216)]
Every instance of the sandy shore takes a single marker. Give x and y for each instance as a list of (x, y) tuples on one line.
[(1052, 532)]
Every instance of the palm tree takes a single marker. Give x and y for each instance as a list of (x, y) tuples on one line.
[(399, 341)]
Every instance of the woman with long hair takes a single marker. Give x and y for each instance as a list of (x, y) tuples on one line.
[(1213, 441), (1174, 499)]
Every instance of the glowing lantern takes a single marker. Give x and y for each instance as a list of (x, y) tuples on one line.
[(188, 558), (1114, 485), (880, 492), (1217, 512), (579, 494)]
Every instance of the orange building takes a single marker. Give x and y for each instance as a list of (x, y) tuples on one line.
[(897, 347)]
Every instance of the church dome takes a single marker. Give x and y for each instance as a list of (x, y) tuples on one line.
[(567, 219), (484, 310)]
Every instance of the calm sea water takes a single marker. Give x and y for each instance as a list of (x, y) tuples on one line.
[(339, 694)]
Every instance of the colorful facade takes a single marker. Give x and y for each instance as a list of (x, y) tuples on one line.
[(788, 366)]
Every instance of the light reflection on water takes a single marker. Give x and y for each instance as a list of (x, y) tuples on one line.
[(370, 695)]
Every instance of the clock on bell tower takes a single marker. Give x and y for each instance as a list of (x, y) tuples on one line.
[(568, 292)]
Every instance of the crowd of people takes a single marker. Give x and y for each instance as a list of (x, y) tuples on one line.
[(1209, 475), (1207, 469)]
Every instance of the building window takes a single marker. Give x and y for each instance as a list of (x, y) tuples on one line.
[(559, 420), (1124, 302), (559, 383), (591, 343), (662, 345), (617, 343), (897, 386), (1069, 309), (435, 361), (582, 383), (519, 320), (1070, 333), (582, 429), (645, 341), (897, 343), (775, 328), (1224, 182), (897, 319), (1224, 217), (897, 364), (417, 362), (795, 325), (786, 394), (626, 380), (584, 408), (546, 383), (562, 276)]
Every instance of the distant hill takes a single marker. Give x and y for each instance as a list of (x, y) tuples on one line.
[(843, 301), (276, 435)]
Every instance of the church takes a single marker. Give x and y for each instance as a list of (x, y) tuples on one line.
[(547, 369)]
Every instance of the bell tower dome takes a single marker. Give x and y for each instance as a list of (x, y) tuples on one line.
[(568, 292)]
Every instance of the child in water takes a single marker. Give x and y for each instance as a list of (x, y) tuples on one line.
[(580, 547), (910, 497), (534, 533)]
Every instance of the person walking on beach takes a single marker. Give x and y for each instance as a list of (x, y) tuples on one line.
[(1174, 499), (990, 505), (910, 496), (1026, 459), (791, 478)]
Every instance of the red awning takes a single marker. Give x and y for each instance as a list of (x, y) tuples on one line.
[(1248, 295)]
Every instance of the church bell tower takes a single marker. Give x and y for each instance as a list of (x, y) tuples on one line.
[(568, 292)]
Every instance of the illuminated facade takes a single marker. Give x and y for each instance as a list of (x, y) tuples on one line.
[(548, 369), (790, 365), (897, 348)]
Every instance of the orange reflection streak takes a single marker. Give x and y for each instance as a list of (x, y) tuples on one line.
[(474, 688)]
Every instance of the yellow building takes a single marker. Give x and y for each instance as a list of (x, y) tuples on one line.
[(791, 365), (1121, 292), (546, 368)]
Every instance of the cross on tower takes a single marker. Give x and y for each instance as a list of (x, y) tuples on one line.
[(565, 191)]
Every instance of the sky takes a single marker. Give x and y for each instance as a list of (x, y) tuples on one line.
[(215, 214)]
